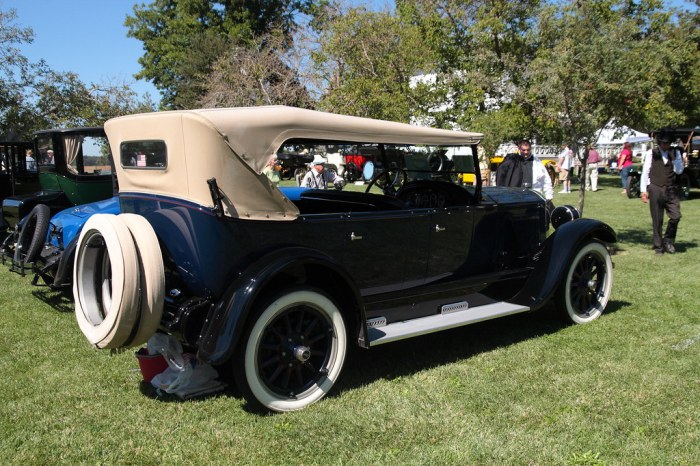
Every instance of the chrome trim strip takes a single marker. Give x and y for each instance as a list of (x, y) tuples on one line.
[(438, 322)]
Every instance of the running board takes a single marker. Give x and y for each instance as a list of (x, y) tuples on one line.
[(438, 322)]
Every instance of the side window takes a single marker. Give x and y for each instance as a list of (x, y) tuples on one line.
[(143, 154)]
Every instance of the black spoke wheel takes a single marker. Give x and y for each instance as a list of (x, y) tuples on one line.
[(293, 352), (352, 173), (633, 187), (586, 288)]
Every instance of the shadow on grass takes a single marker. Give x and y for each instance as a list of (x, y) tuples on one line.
[(60, 300), (643, 237), (404, 358)]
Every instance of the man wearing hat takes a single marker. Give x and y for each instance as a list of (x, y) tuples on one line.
[(318, 177), (660, 191)]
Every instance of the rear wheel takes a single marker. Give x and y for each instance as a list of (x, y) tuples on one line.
[(293, 352), (586, 288)]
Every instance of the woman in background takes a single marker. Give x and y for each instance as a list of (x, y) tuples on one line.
[(624, 164)]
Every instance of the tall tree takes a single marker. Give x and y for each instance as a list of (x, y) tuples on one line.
[(366, 60), (480, 46), (183, 39), (256, 74), (595, 60)]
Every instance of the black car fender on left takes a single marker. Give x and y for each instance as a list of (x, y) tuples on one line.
[(559, 249), (273, 272)]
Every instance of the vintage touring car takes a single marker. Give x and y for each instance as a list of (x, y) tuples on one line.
[(274, 284)]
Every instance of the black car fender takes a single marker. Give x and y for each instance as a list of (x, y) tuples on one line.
[(228, 317), (559, 249)]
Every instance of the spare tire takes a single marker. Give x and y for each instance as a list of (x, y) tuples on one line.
[(152, 277), (32, 234), (106, 282)]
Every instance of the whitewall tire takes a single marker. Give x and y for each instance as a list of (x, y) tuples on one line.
[(586, 288), (293, 352), (151, 276)]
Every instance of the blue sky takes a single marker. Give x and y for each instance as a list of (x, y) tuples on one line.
[(87, 37)]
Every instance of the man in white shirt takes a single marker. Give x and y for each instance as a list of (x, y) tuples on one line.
[(318, 177), (658, 188)]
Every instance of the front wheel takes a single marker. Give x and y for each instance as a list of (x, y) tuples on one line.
[(586, 288), (292, 353)]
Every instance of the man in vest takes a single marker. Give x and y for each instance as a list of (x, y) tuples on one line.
[(660, 191)]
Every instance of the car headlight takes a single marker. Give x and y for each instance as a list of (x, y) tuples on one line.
[(564, 214)]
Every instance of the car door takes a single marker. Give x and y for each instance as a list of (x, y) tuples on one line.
[(386, 251), (450, 241)]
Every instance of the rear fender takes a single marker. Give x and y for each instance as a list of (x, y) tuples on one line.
[(558, 251), (228, 317)]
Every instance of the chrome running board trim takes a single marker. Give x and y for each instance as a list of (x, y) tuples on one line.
[(435, 323)]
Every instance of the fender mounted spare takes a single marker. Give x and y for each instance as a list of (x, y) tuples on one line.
[(106, 282), (152, 277)]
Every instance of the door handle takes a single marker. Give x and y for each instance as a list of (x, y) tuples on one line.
[(438, 229), (354, 237)]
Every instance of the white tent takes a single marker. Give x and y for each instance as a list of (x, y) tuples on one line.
[(613, 134)]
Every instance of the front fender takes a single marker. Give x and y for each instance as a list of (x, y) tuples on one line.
[(228, 317), (558, 251)]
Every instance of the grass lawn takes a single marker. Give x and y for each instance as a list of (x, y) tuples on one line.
[(520, 390)]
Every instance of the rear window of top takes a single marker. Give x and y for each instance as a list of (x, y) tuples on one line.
[(144, 154)]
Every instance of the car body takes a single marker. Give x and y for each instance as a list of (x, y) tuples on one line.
[(273, 285), (18, 175), (74, 168)]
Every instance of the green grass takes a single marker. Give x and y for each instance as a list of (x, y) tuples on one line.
[(520, 390)]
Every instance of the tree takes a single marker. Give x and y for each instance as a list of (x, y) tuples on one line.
[(254, 75), (366, 61), (183, 39), (15, 75), (481, 46)]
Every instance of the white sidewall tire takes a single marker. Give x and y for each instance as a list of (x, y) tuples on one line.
[(602, 253), (273, 401), (152, 276), (106, 322)]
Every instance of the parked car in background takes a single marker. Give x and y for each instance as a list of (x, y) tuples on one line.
[(74, 168), (17, 174), (273, 285)]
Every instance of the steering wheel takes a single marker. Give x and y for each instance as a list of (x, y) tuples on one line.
[(388, 181)]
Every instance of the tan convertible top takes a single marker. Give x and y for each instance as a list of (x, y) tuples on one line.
[(233, 145)]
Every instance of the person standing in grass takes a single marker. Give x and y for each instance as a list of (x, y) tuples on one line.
[(659, 189), (624, 164), (566, 163), (592, 169)]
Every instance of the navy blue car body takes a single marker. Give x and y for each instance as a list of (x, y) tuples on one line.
[(273, 283)]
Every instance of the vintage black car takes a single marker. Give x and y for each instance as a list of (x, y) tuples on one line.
[(273, 285), (18, 172), (72, 167)]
